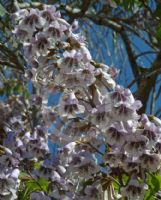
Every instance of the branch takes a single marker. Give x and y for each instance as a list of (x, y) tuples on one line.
[(148, 74), (158, 93), (148, 82), (120, 30), (144, 53), (147, 7), (152, 105), (9, 64), (131, 56), (12, 60)]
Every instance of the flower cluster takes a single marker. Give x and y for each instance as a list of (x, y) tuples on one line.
[(93, 111), (22, 142)]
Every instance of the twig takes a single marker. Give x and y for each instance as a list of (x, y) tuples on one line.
[(152, 105), (94, 148), (146, 52)]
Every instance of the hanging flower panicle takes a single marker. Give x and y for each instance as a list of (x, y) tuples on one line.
[(92, 111)]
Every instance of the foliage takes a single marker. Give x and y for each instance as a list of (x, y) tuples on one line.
[(2, 11)]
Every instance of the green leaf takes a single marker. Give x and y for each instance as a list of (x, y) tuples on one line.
[(143, 70), (157, 12), (2, 11), (44, 184), (32, 186), (128, 4), (158, 33), (125, 4), (154, 184)]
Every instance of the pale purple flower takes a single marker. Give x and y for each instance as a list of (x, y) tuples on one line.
[(5, 155), (135, 144), (115, 158), (75, 25), (38, 196), (37, 144), (20, 14), (144, 119), (9, 183), (68, 149), (29, 51), (41, 43), (122, 94), (32, 20), (101, 115), (134, 190), (151, 132), (56, 194), (151, 135), (158, 147), (56, 30), (116, 135), (150, 161), (86, 168), (34, 63), (76, 129), (113, 72), (75, 160), (93, 192), (69, 106), (131, 166), (38, 150), (70, 80), (61, 170), (106, 78), (48, 13), (22, 34), (55, 176), (123, 111), (71, 61), (45, 172), (94, 137), (76, 42), (82, 77), (49, 115), (86, 56), (86, 76)]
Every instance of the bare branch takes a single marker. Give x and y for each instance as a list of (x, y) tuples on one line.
[(148, 82), (11, 59), (152, 105)]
